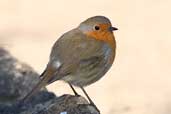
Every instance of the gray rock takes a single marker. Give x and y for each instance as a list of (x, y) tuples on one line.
[(66, 104), (17, 79)]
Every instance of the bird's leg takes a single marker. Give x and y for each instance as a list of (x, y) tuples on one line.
[(91, 102), (76, 94)]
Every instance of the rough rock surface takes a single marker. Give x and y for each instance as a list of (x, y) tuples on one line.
[(17, 79)]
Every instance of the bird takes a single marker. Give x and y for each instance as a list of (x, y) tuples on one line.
[(81, 56)]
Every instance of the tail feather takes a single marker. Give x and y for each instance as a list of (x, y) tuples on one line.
[(46, 76)]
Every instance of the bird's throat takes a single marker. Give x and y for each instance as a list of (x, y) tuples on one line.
[(107, 37)]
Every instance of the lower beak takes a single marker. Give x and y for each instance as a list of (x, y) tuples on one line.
[(113, 28)]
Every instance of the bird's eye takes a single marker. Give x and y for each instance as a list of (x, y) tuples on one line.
[(96, 27)]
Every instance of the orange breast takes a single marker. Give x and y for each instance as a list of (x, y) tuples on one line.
[(108, 38), (105, 36)]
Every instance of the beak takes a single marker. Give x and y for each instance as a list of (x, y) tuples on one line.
[(113, 28)]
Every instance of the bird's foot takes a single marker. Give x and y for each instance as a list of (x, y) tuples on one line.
[(77, 95), (92, 104)]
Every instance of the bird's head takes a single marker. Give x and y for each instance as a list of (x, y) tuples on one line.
[(98, 27)]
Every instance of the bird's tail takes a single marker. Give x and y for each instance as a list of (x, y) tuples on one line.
[(46, 76)]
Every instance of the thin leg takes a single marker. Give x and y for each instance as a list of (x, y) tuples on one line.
[(76, 94), (91, 102)]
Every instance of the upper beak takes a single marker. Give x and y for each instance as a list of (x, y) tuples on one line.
[(113, 28)]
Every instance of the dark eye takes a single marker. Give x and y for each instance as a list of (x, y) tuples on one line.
[(96, 27)]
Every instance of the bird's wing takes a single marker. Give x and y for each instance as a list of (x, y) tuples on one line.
[(73, 49)]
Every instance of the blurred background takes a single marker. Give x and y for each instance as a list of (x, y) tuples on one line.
[(139, 82)]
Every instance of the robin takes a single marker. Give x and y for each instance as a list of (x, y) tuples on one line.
[(81, 56)]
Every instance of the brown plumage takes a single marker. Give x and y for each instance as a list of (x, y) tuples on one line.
[(81, 56)]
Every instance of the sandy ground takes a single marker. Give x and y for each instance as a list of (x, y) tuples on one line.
[(139, 81)]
